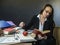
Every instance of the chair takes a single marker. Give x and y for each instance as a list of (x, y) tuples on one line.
[(56, 34)]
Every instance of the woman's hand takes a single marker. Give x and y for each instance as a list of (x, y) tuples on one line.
[(45, 37), (40, 37), (22, 24)]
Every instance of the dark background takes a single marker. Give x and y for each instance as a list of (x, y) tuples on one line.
[(23, 10)]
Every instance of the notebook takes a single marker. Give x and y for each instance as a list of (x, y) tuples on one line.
[(11, 23), (4, 24)]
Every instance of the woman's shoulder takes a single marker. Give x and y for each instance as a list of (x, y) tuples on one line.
[(35, 16), (51, 21)]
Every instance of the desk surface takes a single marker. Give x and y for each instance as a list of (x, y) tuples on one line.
[(16, 38)]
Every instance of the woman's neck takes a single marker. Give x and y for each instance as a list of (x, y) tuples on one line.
[(42, 19)]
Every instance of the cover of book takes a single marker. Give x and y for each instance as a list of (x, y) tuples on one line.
[(42, 33)]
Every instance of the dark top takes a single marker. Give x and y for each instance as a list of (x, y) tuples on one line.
[(48, 25)]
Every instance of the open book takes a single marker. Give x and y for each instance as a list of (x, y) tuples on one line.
[(42, 33), (46, 31)]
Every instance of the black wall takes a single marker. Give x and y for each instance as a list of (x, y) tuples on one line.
[(20, 10)]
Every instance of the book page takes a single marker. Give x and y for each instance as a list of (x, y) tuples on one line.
[(46, 31)]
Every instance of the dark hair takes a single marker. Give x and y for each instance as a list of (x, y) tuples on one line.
[(51, 15)]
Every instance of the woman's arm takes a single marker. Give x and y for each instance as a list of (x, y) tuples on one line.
[(51, 28), (31, 23)]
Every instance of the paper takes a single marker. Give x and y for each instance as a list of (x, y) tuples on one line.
[(27, 38), (2, 39), (10, 40)]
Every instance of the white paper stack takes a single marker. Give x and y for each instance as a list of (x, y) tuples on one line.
[(10, 40), (2, 39)]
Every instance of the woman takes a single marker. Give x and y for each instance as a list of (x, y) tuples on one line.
[(43, 21)]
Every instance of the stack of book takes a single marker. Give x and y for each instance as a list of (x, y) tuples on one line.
[(9, 31)]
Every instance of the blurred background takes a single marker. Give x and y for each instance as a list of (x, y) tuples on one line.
[(23, 10)]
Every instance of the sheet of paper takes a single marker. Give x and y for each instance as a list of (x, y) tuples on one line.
[(10, 40)]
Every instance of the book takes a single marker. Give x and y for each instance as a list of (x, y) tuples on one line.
[(4, 24), (42, 33), (11, 23), (46, 31), (8, 30)]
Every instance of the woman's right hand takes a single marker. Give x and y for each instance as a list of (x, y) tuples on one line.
[(40, 37), (21, 24)]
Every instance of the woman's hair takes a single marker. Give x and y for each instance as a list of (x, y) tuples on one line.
[(51, 15)]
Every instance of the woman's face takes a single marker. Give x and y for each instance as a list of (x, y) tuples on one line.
[(47, 11)]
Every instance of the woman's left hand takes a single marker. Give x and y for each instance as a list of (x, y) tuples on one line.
[(40, 37), (45, 37), (22, 24)]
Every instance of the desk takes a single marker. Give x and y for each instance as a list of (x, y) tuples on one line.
[(16, 38)]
